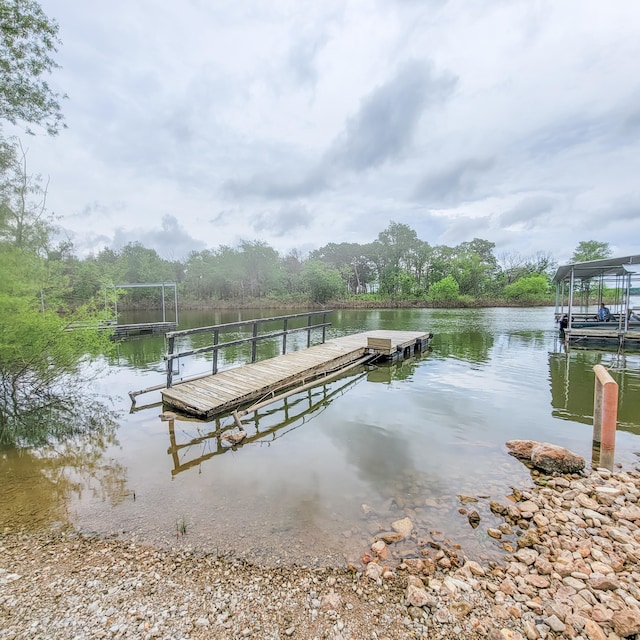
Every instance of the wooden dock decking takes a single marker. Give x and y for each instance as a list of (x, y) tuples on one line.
[(232, 388), (604, 335)]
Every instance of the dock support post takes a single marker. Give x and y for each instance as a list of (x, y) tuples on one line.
[(254, 342), (170, 362), (324, 327), (216, 340), (284, 336), (605, 415), (309, 323)]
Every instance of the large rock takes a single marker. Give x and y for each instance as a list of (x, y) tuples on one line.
[(547, 457), (521, 448), (551, 458)]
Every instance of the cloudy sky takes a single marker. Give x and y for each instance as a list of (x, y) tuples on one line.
[(198, 123)]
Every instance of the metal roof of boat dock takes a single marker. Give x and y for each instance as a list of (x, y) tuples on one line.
[(596, 268)]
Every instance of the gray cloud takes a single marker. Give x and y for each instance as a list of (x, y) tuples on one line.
[(171, 242), (382, 130), (385, 125), (272, 186), (302, 59), (452, 185), (285, 220), (529, 211)]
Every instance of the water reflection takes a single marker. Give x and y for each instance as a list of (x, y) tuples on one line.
[(572, 385), (264, 427), (38, 484)]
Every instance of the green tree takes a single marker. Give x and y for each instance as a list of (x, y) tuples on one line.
[(591, 250), (528, 289), (322, 282), (28, 41), (445, 290), (40, 357)]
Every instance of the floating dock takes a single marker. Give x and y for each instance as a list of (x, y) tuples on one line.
[(231, 389), (142, 329)]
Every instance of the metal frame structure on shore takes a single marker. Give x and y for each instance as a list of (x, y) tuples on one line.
[(610, 281)]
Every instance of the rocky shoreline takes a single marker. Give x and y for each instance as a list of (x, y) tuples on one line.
[(573, 571)]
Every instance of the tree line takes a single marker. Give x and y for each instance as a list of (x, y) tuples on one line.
[(396, 267)]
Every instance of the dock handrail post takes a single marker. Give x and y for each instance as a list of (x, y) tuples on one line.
[(309, 323), (324, 327), (170, 362), (254, 342), (605, 415), (216, 340), (284, 336)]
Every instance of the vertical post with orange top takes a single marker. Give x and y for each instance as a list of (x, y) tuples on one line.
[(605, 415)]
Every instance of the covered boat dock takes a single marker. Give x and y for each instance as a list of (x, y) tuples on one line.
[(583, 287)]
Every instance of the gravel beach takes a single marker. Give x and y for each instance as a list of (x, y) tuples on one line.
[(573, 572)]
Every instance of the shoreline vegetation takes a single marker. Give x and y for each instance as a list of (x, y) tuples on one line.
[(351, 303), (572, 573)]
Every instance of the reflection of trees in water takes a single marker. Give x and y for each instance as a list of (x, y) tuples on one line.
[(473, 346), (143, 352), (572, 383), (54, 455)]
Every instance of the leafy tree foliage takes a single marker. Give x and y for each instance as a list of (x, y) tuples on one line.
[(591, 250), (445, 290), (28, 41), (527, 289), (322, 282)]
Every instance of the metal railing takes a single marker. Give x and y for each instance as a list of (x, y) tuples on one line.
[(218, 329)]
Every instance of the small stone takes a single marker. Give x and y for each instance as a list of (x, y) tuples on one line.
[(390, 536), (526, 556), (333, 600), (555, 623), (380, 549), (494, 533), (540, 582), (461, 608), (626, 622), (603, 583), (417, 595), (404, 527), (594, 631), (528, 539), (373, 571)]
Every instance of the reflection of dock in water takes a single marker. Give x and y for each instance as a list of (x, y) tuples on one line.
[(292, 412)]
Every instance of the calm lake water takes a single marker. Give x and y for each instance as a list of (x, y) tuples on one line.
[(402, 439)]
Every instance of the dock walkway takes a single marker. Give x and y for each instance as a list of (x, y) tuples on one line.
[(232, 388)]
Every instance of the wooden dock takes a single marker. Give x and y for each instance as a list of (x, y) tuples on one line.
[(142, 329), (604, 335), (230, 389)]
